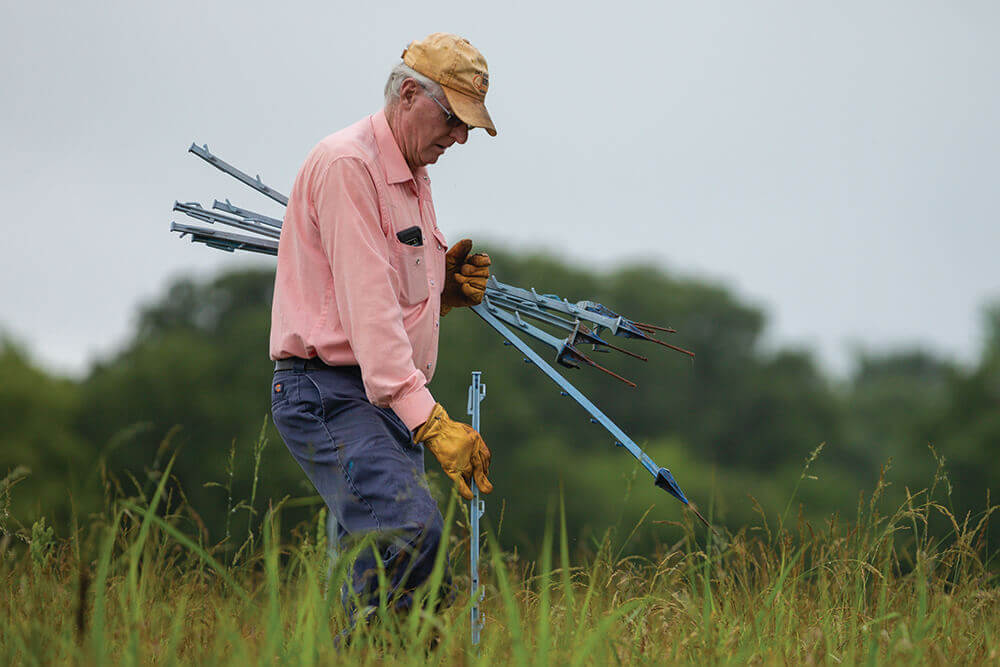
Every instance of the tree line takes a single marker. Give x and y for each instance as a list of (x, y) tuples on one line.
[(735, 424)]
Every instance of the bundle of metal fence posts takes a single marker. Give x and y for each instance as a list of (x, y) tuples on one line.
[(504, 307)]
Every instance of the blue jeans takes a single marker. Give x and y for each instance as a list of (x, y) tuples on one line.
[(364, 464)]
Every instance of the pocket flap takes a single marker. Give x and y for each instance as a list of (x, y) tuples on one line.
[(440, 238)]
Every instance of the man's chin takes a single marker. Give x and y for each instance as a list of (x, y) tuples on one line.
[(438, 151)]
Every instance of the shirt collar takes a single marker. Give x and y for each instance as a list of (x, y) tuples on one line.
[(396, 169)]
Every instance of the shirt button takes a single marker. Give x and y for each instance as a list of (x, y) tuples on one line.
[(418, 260), (432, 283), (428, 366)]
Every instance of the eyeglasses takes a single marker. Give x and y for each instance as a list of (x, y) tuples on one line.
[(449, 116)]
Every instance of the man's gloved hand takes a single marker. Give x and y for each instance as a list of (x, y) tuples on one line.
[(460, 450), (465, 277)]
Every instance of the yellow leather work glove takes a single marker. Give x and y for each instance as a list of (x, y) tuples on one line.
[(465, 277), (458, 448)]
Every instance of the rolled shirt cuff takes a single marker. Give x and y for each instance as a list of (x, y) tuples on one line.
[(415, 408)]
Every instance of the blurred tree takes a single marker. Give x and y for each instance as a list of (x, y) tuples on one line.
[(968, 433), (893, 400), (199, 360), (734, 420), (36, 431)]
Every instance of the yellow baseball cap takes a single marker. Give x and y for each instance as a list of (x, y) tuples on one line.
[(461, 70)]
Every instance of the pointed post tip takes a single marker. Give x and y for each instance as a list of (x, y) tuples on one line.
[(666, 481)]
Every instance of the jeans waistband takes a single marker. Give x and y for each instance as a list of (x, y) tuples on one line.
[(313, 364)]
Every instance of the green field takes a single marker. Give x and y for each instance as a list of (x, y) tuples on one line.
[(136, 584)]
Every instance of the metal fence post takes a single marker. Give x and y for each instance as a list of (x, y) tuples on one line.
[(477, 392)]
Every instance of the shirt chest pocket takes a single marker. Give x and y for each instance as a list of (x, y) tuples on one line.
[(411, 265)]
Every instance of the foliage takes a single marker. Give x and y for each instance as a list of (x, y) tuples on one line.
[(736, 420), (41, 543), (37, 436)]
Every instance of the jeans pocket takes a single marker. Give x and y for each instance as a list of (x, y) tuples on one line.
[(310, 397)]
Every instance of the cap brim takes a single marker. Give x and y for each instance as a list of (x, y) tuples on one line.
[(470, 109)]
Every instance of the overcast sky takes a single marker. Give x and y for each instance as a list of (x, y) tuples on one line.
[(835, 163)]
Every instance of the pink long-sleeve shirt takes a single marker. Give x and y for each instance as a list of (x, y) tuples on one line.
[(347, 289)]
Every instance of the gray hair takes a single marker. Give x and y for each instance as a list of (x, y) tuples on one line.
[(400, 73)]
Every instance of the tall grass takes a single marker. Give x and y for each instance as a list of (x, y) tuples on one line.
[(139, 585)]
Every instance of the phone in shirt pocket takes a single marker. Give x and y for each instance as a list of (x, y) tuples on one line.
[(411, 236), (410, 262)]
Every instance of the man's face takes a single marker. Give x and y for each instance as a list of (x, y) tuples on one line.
[(426, 131)]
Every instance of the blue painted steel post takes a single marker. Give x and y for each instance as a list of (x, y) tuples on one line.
[(661, 476), (477, 392)]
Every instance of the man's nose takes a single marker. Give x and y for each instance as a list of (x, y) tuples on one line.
[(460, 134)]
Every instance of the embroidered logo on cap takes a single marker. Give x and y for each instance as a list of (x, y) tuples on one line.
[(481, 82)]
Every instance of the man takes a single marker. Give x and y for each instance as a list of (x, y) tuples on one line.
[(362, 280)]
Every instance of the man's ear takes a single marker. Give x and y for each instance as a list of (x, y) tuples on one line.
[(408, 92)]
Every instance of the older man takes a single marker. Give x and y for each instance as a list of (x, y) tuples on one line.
[(363, 279)]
